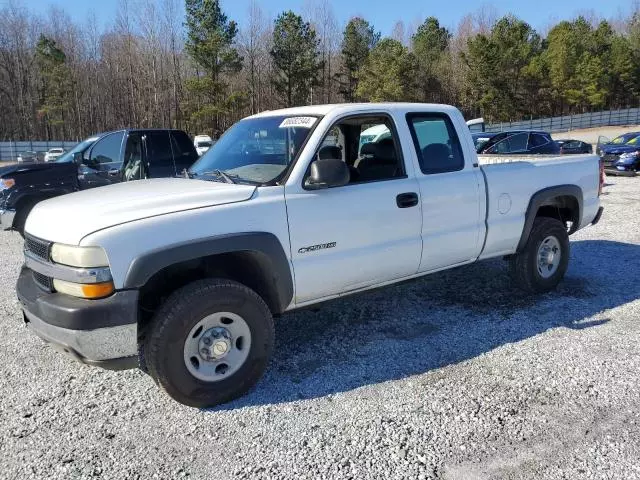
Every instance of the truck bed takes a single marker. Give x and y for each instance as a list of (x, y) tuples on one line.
[(512, 180)]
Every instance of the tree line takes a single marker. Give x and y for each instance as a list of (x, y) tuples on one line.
[(154, 67)]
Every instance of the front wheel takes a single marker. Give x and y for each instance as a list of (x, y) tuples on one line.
[(541, 265), (210, 342)]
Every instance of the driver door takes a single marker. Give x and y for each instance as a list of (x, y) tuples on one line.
[(101, 165)]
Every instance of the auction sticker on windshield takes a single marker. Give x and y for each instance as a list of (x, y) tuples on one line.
[(291, 122)]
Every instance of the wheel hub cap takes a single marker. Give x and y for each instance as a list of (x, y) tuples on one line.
[(217, 346), (214, 344), (549, 255)]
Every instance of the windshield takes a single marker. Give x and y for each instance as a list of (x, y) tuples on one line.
[(204, 144), (81, 147), (634, 141), (256, 150), (624, 138)]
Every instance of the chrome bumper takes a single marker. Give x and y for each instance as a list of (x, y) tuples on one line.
[(6, 219)]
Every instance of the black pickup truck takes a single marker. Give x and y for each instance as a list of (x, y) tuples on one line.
[(103, 159)]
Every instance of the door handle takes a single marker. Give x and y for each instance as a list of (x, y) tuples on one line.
[(113, 172), (406, 200)]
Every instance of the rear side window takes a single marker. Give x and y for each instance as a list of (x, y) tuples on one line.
[(537, 140), (159, 148), (184, 152), (436, 143)]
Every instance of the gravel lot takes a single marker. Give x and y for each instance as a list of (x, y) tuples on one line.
[(455, 376)]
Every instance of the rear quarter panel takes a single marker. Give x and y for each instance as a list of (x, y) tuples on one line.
[(512, 181)]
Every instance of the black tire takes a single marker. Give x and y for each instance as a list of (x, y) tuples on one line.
[(523, 266), (22, 213), (168, 331)]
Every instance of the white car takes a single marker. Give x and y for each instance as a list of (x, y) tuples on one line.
[(184, 276), (202, 144), (53, 153)]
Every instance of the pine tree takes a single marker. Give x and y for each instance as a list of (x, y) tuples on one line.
[(295, 59), (358, 39), (429, 45), (210, 43), (388, 74), (55, 86)]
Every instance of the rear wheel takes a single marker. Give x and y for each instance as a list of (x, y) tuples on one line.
[(544, 260), (210, 342)]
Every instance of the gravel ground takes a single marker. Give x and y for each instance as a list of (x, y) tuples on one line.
[(455, 376)]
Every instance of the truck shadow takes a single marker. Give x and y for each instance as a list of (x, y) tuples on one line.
[(442, 319)]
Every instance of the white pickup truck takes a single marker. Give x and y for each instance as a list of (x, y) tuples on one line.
[(183, 276)]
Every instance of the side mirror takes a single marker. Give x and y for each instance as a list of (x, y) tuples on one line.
[(326, 173)]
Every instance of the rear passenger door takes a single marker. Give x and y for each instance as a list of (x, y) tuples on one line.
[(451, 192), (160, 157)]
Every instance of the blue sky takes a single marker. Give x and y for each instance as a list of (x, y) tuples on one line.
[(383, 14)]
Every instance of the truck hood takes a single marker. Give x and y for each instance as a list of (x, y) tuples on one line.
[(69, 218)]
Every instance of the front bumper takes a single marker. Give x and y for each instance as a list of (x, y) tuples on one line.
[(96, 332), (6, 219), (624, 173)]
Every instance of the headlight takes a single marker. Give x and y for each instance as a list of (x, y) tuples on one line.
[(628, 157), (84, 290), (86, 257), (6, 183)]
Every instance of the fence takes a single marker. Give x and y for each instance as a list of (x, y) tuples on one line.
[(629, 116), (9, 151)]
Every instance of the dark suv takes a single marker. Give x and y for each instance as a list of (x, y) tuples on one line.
[(523, 142), (100, 160)]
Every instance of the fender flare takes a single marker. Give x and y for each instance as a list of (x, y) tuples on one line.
[(265, 244), (544, 197)]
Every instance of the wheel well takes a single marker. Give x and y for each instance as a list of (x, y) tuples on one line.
[(250, 268), (564, 208)]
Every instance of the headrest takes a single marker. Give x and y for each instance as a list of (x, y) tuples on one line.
[(330, 151), (369, 149), (386, 149)]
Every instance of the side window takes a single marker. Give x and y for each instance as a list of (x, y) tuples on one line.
[(436, 143), (159, 149), (368, 145), (518, 142), (134, 168), (105, 155), (536, 140), (184, 153)]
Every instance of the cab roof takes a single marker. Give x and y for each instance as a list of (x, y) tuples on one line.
[(341, 108)]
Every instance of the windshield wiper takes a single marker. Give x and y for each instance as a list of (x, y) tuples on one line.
[(218, 173)]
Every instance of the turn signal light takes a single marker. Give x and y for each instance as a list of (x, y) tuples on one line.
[(84, 290)]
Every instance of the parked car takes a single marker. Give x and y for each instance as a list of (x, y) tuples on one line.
[(522, 142), (53, 153), (103, 159), (185, 275), (202, 144), (480, 138), (621, 156), (568, 146), (27, 157)]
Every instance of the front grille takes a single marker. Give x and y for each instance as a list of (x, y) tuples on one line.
[(39, 248), (43, 281), (609, 159)]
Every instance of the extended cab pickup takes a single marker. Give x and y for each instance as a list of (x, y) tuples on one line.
[(103, 159), (289, 208)]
